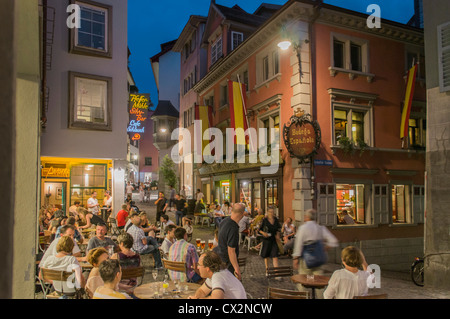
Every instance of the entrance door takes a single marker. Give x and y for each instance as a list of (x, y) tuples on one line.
[(55, 193), (271, 195)]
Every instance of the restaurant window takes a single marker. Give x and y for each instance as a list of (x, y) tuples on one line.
[(417, 132), (271, 195), (90, 104), (401, 203), (351, 198), (353, 123), (86, 178), (95, 32), (245, 192)]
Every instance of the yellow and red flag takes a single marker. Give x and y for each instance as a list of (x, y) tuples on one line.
[(410, 84), (238, 109), (203, 114)]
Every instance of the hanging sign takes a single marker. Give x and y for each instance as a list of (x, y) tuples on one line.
[(302, 137)]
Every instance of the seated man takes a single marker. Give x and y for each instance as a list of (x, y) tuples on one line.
[(100, 239), (169, 239), (244, 224), (111, 274), (181, 250), (141, 244), (220, 282)]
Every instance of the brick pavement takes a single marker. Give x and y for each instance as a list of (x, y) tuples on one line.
[(397, 285)]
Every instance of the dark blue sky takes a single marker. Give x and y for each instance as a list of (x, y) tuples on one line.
[(152, 22)]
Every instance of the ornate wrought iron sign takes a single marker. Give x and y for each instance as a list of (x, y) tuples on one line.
[(302, 137)]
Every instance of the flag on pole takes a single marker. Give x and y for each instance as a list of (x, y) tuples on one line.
[(203, 114), (238, 109), (410, 84)]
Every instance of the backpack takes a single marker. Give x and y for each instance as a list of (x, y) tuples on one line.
[(314, 253)]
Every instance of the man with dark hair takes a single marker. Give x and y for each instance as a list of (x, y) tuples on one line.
[(169, 239), (111, 274), (161, 206), (180, 205), (229, 239), (220, 283), (184, 251)]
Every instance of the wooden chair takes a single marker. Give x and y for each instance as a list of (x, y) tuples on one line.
[(242, 261), (49, 276), (134, 272), (283, 271), (277, 293), (380, 296), (179, 266)]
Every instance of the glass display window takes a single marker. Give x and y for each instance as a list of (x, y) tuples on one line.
[(350, 201)]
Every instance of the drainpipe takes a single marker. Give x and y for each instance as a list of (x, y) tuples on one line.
[(44, 65)]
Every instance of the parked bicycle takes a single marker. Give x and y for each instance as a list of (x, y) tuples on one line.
[(417, 271)]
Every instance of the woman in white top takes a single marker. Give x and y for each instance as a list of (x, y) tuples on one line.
[(288, 230), (351, 281), (64, 261)]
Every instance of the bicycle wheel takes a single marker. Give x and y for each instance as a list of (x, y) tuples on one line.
[(417, 273)]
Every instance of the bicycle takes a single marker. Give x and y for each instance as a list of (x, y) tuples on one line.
[(417, 271)]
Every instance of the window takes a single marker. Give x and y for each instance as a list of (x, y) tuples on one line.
[(417, 132), (416, 57), (349, 53), (265, 68), (350, 204), (94, 37), (352, 123), (271, 122), (90, 102), (401, 203), (223, 95), (236, 39), (216, 50), (86, 178), (276, 63), (444, 56)]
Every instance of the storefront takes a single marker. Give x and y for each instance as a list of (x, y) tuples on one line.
[(67, 180)]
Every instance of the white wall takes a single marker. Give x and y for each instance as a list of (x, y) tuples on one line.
[(60, 141)]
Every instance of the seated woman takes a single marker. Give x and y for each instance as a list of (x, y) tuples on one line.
[(64, 261), (95, 257), (90, 220), (288, 231), (127, 259), (187, 224), (218, 215)]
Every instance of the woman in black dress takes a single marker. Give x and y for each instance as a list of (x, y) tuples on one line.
[(270, 229)]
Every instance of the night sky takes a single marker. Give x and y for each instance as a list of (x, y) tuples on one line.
[(152, 22)]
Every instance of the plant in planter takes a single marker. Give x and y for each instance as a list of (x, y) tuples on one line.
[(362, 146), (347, 145)]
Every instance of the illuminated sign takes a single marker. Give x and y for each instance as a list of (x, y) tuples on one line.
[(138, 111), (225, 183), (52, 172)]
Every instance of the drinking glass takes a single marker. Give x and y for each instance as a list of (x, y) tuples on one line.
[(203, 244), (198, 240), (155, 274), (210, 244), (310, 277)]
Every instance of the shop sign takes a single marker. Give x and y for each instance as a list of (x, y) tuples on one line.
[(52, 172), (323, 162), (302, 137), (225, 183), (138, 112)]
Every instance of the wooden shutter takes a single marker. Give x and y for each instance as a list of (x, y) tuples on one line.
[(418, 204), (444, 56), (381, 204), (326, 204)]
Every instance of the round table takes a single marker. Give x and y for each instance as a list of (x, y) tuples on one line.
[(318, 282), (147, 291)]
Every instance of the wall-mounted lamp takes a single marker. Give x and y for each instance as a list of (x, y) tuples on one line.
[(163, 130), (284, 45)]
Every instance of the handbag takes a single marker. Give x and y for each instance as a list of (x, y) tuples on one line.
[(314, 253)]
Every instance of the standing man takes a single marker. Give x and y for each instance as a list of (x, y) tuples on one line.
[(92, 204), (229, 239), (107, 203), (180, 204), (172, 196), (129, 190), (199, 196), (310, 231), (183, 192), (161, 206)]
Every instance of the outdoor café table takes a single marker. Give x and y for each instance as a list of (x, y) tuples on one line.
[(318, 282), (147, 291)]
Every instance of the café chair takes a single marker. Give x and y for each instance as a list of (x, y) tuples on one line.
[(282, 271), (115, 231), (242, 261), (163, 254), (50, 276), (134, 272), (380, 296), (179, 266), (278, 293)]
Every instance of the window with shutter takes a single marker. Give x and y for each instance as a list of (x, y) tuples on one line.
[(418, 203), (326, 204), (381, 204), (444, 56)]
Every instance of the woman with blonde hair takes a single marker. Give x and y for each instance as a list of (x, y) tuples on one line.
[(95, 257), (88, 218), (350, 281)]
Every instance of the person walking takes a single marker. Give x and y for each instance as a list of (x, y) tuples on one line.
[(311, 232), (229, 239), (270, 230)]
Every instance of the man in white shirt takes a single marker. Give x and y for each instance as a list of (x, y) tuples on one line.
[(308, 232), (92, 204), (129, 190), (220, 283)]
